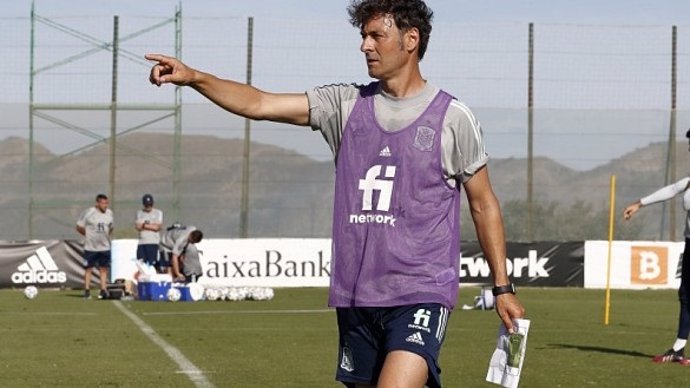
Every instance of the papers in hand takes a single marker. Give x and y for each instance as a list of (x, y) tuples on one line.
[(506, 362)]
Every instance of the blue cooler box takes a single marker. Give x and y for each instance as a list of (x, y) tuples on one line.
[(155, 291), (185, 295)]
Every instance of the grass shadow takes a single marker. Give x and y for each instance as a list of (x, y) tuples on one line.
[(72, 295), (601, 349)]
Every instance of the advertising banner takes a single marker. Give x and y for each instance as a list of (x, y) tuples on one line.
[(247, 262), (634, 264), (50, 263), (306, 262), (543, 264), (276, 263)]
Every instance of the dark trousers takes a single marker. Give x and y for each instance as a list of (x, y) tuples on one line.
[(684, 294)]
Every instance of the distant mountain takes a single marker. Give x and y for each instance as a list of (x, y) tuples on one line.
[(290, 195), (637, 173)]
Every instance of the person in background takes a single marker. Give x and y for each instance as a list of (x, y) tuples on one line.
[(96, 225), (178, 245), (191, 263), (148, 223), (403, 150), (676, 353), (484, 301)]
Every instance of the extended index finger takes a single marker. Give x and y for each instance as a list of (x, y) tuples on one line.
[(162, 62), (158, 58)]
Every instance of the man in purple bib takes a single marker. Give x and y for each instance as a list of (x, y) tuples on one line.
[(403, 150)]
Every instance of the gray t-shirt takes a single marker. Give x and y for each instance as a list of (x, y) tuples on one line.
[(154, 216), (97, 225), (463, 151), (191, 265), (175, 240)]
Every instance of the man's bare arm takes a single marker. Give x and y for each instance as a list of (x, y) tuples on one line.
[(488, 221), (154, 227), (235, 97), (176, 261)]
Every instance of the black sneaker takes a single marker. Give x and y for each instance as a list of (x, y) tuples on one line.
[(87, 294), (672, 356), (103, 294)]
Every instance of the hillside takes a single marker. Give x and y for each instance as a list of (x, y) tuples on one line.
[(290, 194)]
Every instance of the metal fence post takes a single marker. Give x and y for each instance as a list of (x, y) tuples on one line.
[(244, 212)]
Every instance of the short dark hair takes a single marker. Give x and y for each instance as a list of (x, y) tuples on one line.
[(101, 196), (687, 134), (407, 14), (196, 236)]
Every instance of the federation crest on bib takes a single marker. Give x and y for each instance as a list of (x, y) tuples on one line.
[(424, 139)]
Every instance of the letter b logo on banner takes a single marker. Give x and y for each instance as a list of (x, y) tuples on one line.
[(648, 265)]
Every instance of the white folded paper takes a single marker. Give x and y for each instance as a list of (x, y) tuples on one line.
[(506, 362)]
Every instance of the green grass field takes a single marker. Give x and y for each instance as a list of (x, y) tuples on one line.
[(61, 340)]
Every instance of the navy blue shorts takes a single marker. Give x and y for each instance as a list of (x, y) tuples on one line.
[(191, 278), (100, 259), (148, 253), (164, 261), (368, 334)]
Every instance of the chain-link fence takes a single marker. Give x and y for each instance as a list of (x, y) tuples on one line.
[(78, 120)]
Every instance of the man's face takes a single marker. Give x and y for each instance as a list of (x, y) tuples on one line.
[(148, 207), (102, 204), (382, 46)]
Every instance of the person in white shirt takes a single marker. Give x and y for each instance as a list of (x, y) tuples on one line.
[(96, 225), (676, 352), (148, 223)]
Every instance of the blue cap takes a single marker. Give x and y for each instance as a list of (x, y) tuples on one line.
[(147, 200)]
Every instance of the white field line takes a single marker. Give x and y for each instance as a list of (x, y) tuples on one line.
[(195, 375), (212, 312), (49, 313)]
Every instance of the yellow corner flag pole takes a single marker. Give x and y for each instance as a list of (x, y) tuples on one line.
[(612, 211)]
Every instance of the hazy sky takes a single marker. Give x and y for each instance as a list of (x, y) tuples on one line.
[(541, 11), (630, 74)]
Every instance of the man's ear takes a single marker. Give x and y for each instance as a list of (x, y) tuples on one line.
[(411, 40)]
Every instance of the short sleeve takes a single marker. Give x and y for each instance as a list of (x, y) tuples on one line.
[(81, 221), (329, 108), (463, 143)]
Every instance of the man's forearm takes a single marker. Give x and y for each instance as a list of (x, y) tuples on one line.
[(490, 233), (235, 97), (250, 102), (665, 193), (241, 99), (175, 261)]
